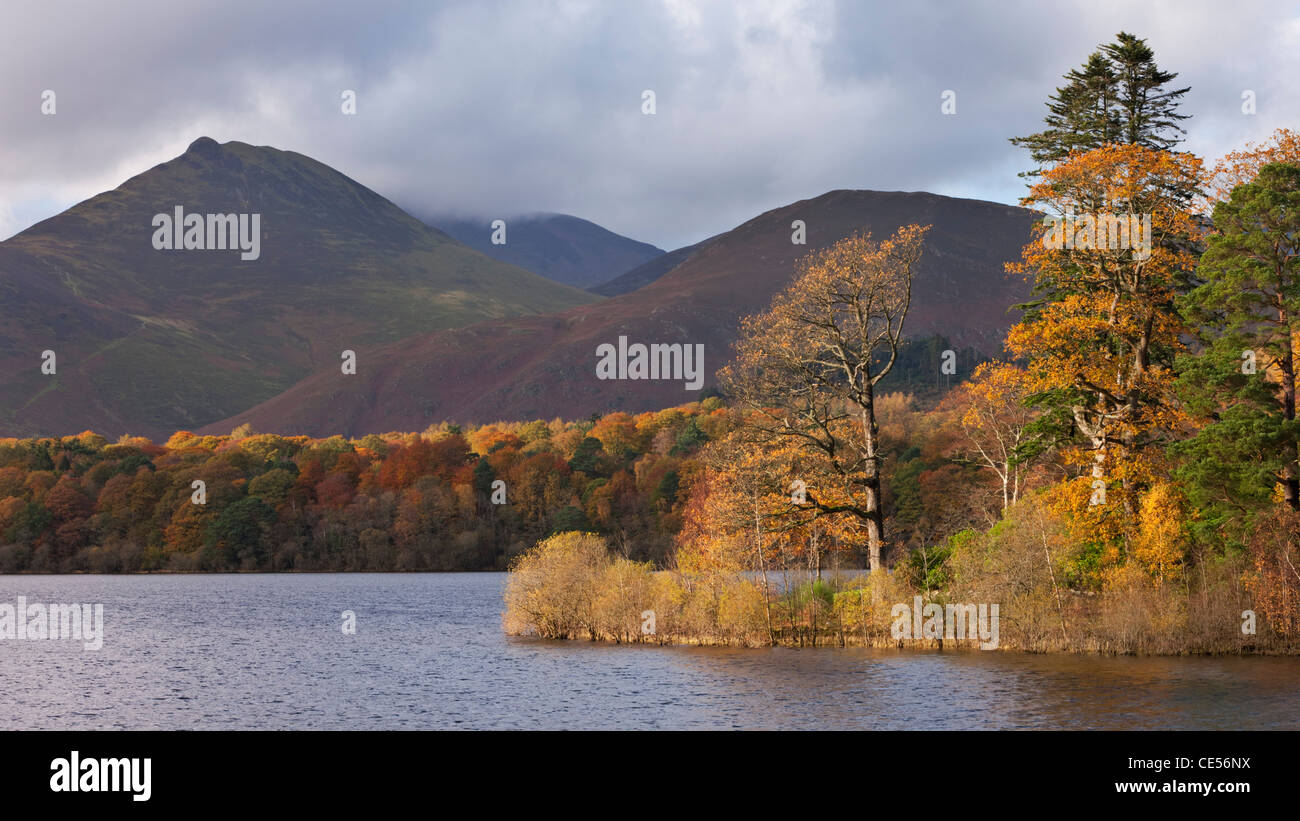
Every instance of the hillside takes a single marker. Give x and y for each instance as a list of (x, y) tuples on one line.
[(645, 273), (559, 247), (150, 341), (543, 366)]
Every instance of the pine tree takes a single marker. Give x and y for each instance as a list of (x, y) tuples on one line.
[(1148, 113), (1080, 115), (1245, 382), (1118, 96)]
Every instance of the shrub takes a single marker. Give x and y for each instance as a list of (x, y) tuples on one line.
[(553, 587)]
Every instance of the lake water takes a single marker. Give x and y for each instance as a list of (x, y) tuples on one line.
[(267, 652)]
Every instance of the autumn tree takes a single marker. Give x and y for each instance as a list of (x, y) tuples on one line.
[(1159, 543), (1099, 348), (1275, 583), (1242, 166), (809, 366), (725, 527), (553, 587), (995, 423)]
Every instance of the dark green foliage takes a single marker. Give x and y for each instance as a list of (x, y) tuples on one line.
[(1247, 313), (919, 367), (665, 494), (1117, 96), (689, 439), (926, 568), (484, 476), (568, 518), (237, 531), (30, 522), (587, 457)]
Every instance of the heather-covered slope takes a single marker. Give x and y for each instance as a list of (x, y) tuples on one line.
[(149, 341), (545, 365)]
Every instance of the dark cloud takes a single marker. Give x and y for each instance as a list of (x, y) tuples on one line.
[(499, 108)]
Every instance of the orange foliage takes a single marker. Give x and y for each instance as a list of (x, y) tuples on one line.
[(1237, 167)]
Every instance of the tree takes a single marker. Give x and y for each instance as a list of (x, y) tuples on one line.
[(1244, 382), (588, 457), (1080, 115), (553, 587), (1158, 544), (1099, 349), (809, 366), (406, 463), (1148, 113), (1117, 97), (273, 486), (730, 519), (995, 424), (618, 435), (237, 530), (1275, 583)]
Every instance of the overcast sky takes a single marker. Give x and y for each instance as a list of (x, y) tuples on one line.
[(497, 108)]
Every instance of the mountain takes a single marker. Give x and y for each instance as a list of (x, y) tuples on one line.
[(543, 366), (557, 246), (149, 341), (646, 273)]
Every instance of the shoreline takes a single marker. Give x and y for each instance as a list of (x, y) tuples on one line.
[(931, 647)]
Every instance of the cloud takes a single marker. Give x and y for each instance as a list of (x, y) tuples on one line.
[(498, 108)]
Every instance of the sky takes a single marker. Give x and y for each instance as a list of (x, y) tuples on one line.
[(491, 109)]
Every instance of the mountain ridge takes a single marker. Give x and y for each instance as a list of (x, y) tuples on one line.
[(560, 247), (543, 366)]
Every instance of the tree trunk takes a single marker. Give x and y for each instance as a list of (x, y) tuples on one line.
[(762, 566), (875, 517), (875, 544), (1006, 481), (1290, 475)]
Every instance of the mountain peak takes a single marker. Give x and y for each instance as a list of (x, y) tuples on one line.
[(204, 145), (339, 267)]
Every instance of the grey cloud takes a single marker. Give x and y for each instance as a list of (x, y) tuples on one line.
[(511, 107)]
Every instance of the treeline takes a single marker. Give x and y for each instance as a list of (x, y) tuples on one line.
[(404, 501), (391, 502), (449, 498), (382, 502)]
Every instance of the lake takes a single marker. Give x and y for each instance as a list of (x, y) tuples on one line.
[(267, 652)]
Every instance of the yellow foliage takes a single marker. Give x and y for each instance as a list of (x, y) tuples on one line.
[(1159, 543), (552, 587)]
